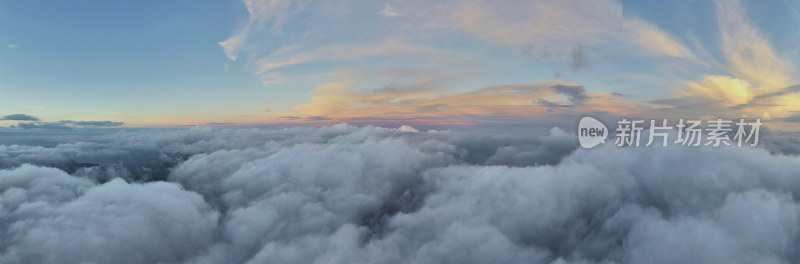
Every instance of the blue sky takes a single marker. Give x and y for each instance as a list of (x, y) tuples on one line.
[(72, 60), (460, 63)]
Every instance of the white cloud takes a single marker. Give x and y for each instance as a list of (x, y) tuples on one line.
[(113, 222), (344, 194), (389, 12), (261, 13), (235, 43)]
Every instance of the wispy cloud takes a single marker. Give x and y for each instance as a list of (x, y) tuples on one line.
[(747, 51), (389, 12), (722, 73), (653, 41), (552, 24), (261, 13), (341, 52), (35, 107), (218, 123), (533, 22), (752, 80)]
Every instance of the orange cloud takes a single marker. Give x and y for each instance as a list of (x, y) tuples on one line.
[(337, 102), (724, 90)]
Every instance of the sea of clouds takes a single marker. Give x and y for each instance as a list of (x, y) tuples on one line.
[(345, 194)]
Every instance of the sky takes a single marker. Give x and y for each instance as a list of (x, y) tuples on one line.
[(424, 63), (130, 131)]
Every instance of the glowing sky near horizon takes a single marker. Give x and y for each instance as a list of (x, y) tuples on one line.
[(434, 63)]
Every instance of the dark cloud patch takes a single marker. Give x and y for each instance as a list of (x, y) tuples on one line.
[(20, 117), (551, 105), (45, 125), (291, 117), (544, 102), (579, 58), (318, 118), (575, 93), (68, 124), (788, 90), (750, 105)]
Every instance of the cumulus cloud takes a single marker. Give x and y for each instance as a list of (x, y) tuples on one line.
[(57, 218), (345, 194)]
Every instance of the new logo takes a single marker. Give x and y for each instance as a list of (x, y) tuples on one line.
[(591, 132)]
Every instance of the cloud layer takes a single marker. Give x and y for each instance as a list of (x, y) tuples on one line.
[(63, 124), (344, 194)]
